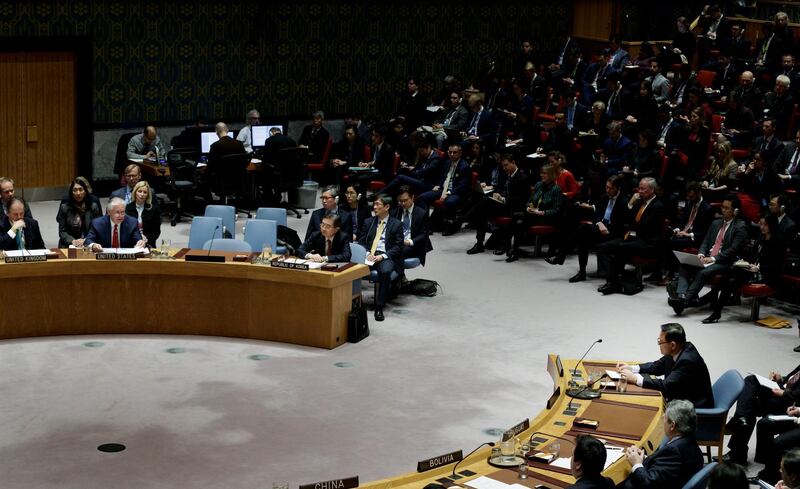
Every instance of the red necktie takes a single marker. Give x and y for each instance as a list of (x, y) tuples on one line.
[(692, 215), (718, 243), (115, 237)]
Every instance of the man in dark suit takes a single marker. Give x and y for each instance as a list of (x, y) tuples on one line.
[(675, 462), (454, 186), (756, 401), (19, 232), (329, 244), (644, 235), (779, 106), (383, 239), (382, 158), (684, 370), (779, 205), (330, 205), (482, 125), (692, 220), (315, 137), (617, 149), (587, 462), (721, 248), (608, 223), (6, 195), (787, 164), (594, 78), (224, 146), (416, 243), (768, 144), (132, 176), (275, 143), (115, 230), (422, 177), (508, 201)]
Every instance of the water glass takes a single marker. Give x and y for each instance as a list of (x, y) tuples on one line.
[(166, 245), (524, 448), (523, 470), (266, 252), (622, 384), (507, 450), (495, 453), (555, 447)]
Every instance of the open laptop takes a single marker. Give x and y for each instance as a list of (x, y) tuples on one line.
[(690, 259)]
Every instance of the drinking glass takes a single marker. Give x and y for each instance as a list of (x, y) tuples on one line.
[(166, 245), (555, 447), (622, 384), (507, 450)]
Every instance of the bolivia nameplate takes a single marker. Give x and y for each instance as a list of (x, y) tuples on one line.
[(289, 264), (115, 256), (25, 258), (516, 430), (348, 483), (432, 463)]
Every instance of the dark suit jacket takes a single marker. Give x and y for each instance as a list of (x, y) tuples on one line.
[(151, 221), (616, 227), (517, 191), (784, 160), (100, 232), (120, 192), (430, 171), (770, 150), (419, 230), (384, 161), (225, 146), (276, 143), (461, 178), (671, 466), (618, 153), (393, 239), (31, 233), (316, 244), (685, 378), (316, 142), (650, 228), (705, 214), (316, 220), (733, 243), (598, 482)]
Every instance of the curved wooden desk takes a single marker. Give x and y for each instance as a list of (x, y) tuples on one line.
[(614, 409), (85, 296)]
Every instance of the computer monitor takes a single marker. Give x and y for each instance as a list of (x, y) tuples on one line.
[(261, 133), (206, 140)]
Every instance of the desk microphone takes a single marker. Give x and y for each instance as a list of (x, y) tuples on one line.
[(490, 443), (207, 257), (211, 244), (575, 370), (289, 248)]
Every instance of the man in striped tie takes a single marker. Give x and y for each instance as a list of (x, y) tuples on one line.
[(20, 232)]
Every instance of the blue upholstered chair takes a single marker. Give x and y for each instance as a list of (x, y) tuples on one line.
[(228, 245), (261, 232), (277, 214), (711, 421), (700, 479), (228, 215), (203, 229)]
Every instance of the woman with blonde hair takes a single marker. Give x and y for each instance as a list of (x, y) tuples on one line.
[(144, 207)]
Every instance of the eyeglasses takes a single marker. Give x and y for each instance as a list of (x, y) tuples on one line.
[(659, 342), (326, 197)]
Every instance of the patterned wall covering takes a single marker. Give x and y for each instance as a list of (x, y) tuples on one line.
[(170, 60)]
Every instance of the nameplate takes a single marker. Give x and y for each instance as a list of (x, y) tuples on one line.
[(516, 430), (25, 258), (432, 463), (115, 256), (288, 264), (205, 258), (347, 483)]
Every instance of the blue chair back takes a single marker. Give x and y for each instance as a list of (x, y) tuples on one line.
[(261, 232), (228, 215), (700, 479), (228, 245), (277, 214), (357, 255), (203, 229), (727, 389)]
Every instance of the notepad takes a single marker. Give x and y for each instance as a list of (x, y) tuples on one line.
[(769, 384), (781, 417), (613, 375), (484, 482)]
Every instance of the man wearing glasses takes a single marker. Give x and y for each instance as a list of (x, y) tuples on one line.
[(684, 370), (330, 205)]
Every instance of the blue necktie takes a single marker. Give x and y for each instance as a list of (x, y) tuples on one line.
[(609, 208), (406, 222)]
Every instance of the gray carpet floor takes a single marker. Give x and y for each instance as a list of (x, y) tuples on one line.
[(440, 374)]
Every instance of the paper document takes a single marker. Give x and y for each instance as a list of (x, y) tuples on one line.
[(28, 252), (562, 462), (124, 251), (136, 160), (613, 374), (769, 384), (255, 160), (612, 455), (781, 417), (536, 155), (369, 262), (202, 165), (433, 108), (484, 482)]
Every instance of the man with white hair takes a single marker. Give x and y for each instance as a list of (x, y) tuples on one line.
[(246, 133), (779, 105), (675, 462), (114, 230)]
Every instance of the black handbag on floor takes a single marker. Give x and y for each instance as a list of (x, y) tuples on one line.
[(357, 322)]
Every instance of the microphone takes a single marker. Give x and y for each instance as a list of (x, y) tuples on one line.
[(289, 248), (490, 443), (211, 244), (575, 370), (577, 394)]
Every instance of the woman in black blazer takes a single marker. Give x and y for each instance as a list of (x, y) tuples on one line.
[(144, 207), (76, 212)]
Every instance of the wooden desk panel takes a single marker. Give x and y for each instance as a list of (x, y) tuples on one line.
[(65, 297)]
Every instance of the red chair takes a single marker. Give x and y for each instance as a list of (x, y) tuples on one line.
[(322, 164), (716, 122), (706, 78), (751, 209), (539, 232), (379, 184), (740, 154), (757, 292)]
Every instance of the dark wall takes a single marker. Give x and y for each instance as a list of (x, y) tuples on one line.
[(173, 60)]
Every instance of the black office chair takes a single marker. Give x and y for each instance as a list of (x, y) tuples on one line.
[(290, 169), (182, 163), (121, 157), (232, 180)]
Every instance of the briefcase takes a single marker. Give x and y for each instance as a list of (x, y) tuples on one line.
[(357, 323)]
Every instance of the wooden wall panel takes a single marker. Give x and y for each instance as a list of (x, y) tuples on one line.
[(49, 106), (592, 19), (11, 131)]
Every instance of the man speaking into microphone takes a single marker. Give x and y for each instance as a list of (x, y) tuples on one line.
[(684, 370)]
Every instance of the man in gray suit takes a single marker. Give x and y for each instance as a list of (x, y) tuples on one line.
[(659, 83), (132, 176), (722, 246)]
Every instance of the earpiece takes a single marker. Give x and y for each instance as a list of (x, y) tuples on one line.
[(783, 209), (735, 212)]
